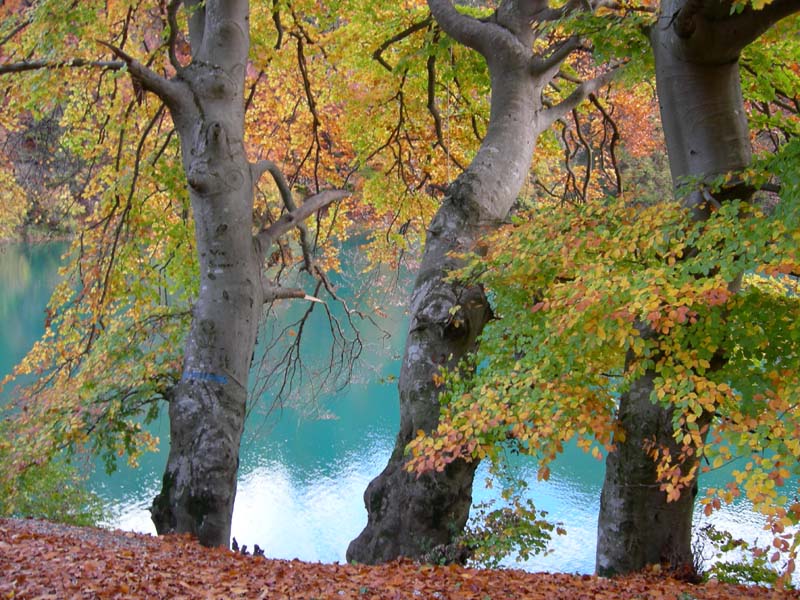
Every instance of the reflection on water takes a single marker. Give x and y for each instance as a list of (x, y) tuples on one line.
[(301, 480)]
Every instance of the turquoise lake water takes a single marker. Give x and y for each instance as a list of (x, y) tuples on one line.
[(302, 477)]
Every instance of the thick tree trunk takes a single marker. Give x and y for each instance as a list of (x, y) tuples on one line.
[(420, 517), (706, 130), (637, 526), (207, 406), (410, 516)]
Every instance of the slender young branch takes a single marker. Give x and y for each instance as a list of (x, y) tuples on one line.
[(615, 137), (172, 20), (587, 175), (276, 18), (35, 65), (418, 26), (251, 94), (578, 95), (434, 109), (20, 26)]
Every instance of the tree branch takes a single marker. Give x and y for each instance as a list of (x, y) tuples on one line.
[(20, 26), (276, 18), (168, 91), (378, 54), (262, 167), (580, 93), (433, 109), (172, 20), (743, 29), (460, 27), (288, 220), (547, 67), (34, 65), (615, 137), (288, 201), (273, 292)]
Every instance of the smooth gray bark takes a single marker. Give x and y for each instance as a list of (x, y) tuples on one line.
[(207, 406), (420, 517), (706, 130)]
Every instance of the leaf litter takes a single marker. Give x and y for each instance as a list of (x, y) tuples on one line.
[(41, 560)]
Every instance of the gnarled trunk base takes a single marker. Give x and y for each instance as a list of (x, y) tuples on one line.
[(415, 517), (199, 483)]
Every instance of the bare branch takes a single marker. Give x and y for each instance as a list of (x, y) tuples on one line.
[(34, 65), (615, 137), (378, 54), (294, 218), (20, 26), (276, 18), (262, 167), (274, 292), (316, 122), (547, 67), (580, 93), (433, 109), (168, 91), (172, 19), (587, 175)]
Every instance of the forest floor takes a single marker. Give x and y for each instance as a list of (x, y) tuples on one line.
[(41, 560)]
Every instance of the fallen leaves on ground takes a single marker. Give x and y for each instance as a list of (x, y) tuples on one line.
[(40, 560)]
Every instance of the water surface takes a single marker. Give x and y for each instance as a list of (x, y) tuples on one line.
[(302, 477)]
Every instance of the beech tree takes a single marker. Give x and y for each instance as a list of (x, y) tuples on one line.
[(202, 86), (207, 407), (410, 515), (696, 46)]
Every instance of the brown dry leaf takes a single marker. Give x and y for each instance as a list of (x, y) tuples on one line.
[(43, 560)]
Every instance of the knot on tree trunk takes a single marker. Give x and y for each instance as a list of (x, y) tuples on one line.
[(214, 168)]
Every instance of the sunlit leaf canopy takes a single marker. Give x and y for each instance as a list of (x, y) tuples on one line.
[(590, 297)]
